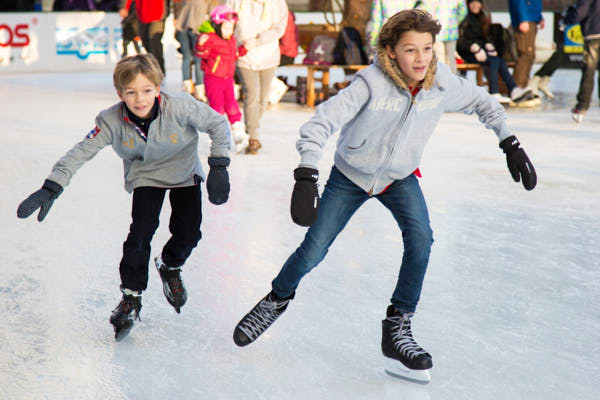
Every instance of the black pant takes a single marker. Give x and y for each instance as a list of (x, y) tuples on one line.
[(184, 225), (151, 35)]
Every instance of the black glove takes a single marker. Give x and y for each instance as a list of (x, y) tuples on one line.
[(217, 183), (42, 199), (305, 197), (518, 162)]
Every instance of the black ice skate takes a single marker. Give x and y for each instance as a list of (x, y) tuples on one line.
[(259, 319), (403, 356), (173, 286), (125, 314)]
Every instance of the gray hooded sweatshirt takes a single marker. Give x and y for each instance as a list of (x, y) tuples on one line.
[(169, 156), (384, 128)]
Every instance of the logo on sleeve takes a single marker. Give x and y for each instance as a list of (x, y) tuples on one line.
[(93, 133)]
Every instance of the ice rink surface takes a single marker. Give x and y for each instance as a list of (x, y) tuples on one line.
[(510, 307)]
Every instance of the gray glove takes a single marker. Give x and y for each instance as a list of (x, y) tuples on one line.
[(41, 199)]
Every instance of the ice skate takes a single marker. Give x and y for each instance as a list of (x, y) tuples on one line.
[(127, 311), (173, 286), (502, 99), (577, 115), (403, 357), (543, 87), (259, 319), (200, 93), (188, 86), (240, 137), (521, 94)]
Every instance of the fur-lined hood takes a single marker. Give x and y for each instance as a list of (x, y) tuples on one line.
[(391, 69)]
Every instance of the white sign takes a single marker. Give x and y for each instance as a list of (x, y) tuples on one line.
[(67, 41)]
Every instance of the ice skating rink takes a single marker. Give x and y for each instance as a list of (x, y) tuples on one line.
[(510, 307)]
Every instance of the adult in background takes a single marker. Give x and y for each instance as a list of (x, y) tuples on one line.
[(587, 14), (191, 15), (261, 24), (288, 44), (130, 26), (475, 45), (381, 10), (151, 15), (525, 16), (449, 13)]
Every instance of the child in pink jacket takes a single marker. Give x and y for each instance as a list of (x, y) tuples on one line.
[(218, 49)]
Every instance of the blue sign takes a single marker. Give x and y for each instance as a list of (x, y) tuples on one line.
[(82, 42)]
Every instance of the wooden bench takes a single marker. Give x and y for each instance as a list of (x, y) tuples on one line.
[(311, 78), (479, 71)]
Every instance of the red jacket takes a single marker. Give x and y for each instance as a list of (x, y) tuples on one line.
[(148, 10), (288, 44), (218, 55)]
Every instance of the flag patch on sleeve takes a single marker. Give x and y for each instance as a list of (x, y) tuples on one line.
[(93, 133)]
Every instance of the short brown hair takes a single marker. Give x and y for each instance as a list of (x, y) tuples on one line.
[(404, 21), (129, 67)]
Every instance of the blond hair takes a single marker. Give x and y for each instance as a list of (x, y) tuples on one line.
[(129, 67), (404, 21)]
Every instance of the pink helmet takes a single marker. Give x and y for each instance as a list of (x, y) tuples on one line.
[(220, 14)]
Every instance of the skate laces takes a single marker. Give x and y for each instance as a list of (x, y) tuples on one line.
[(128, 304), (173, 279), (262, 316), (402, 336)]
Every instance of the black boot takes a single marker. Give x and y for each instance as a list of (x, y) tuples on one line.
[(260, 318), (173, 286), (404, 357), (127, 311)]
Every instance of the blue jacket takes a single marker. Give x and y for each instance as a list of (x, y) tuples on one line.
[(524, 10), (384, 128), (587, 14)]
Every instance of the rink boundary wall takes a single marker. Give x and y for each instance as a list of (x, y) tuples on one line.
[(68, 41)]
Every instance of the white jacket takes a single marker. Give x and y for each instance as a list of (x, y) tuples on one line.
[(261, 23)]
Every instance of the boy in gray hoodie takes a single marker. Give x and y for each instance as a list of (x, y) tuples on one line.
[(386, 115), (156, 135)]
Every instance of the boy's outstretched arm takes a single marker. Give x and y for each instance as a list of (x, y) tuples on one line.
[(205, 119), (64, 169), (464, 96)]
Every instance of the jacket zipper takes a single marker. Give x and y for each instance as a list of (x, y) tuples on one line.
[(214, 68), (389, 155)]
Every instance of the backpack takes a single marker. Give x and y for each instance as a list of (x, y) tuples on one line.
[(320, 51), (349, 48)]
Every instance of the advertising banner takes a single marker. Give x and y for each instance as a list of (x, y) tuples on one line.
[(67, 41)]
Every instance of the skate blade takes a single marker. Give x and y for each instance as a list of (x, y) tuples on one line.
[(121, 334), (178, 309), (396, 369)]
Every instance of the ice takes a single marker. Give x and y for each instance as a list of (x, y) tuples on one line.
[(510, 307)]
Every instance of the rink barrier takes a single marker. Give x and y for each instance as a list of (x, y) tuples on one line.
[(68, 41)]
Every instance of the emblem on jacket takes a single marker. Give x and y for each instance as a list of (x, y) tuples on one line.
[(173, 138), (93, 133)]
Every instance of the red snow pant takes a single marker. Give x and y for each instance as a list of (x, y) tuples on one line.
[(219, 92)]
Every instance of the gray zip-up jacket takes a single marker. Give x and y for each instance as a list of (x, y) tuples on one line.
[(384, 128), (169, 156)]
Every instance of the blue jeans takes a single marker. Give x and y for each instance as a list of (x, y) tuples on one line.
[(187, 39), (493, 66), (341, 198)]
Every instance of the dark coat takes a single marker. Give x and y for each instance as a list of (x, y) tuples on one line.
[(587, 14)]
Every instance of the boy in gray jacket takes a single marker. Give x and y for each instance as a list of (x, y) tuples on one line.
[(386, 116), (156, 135)]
